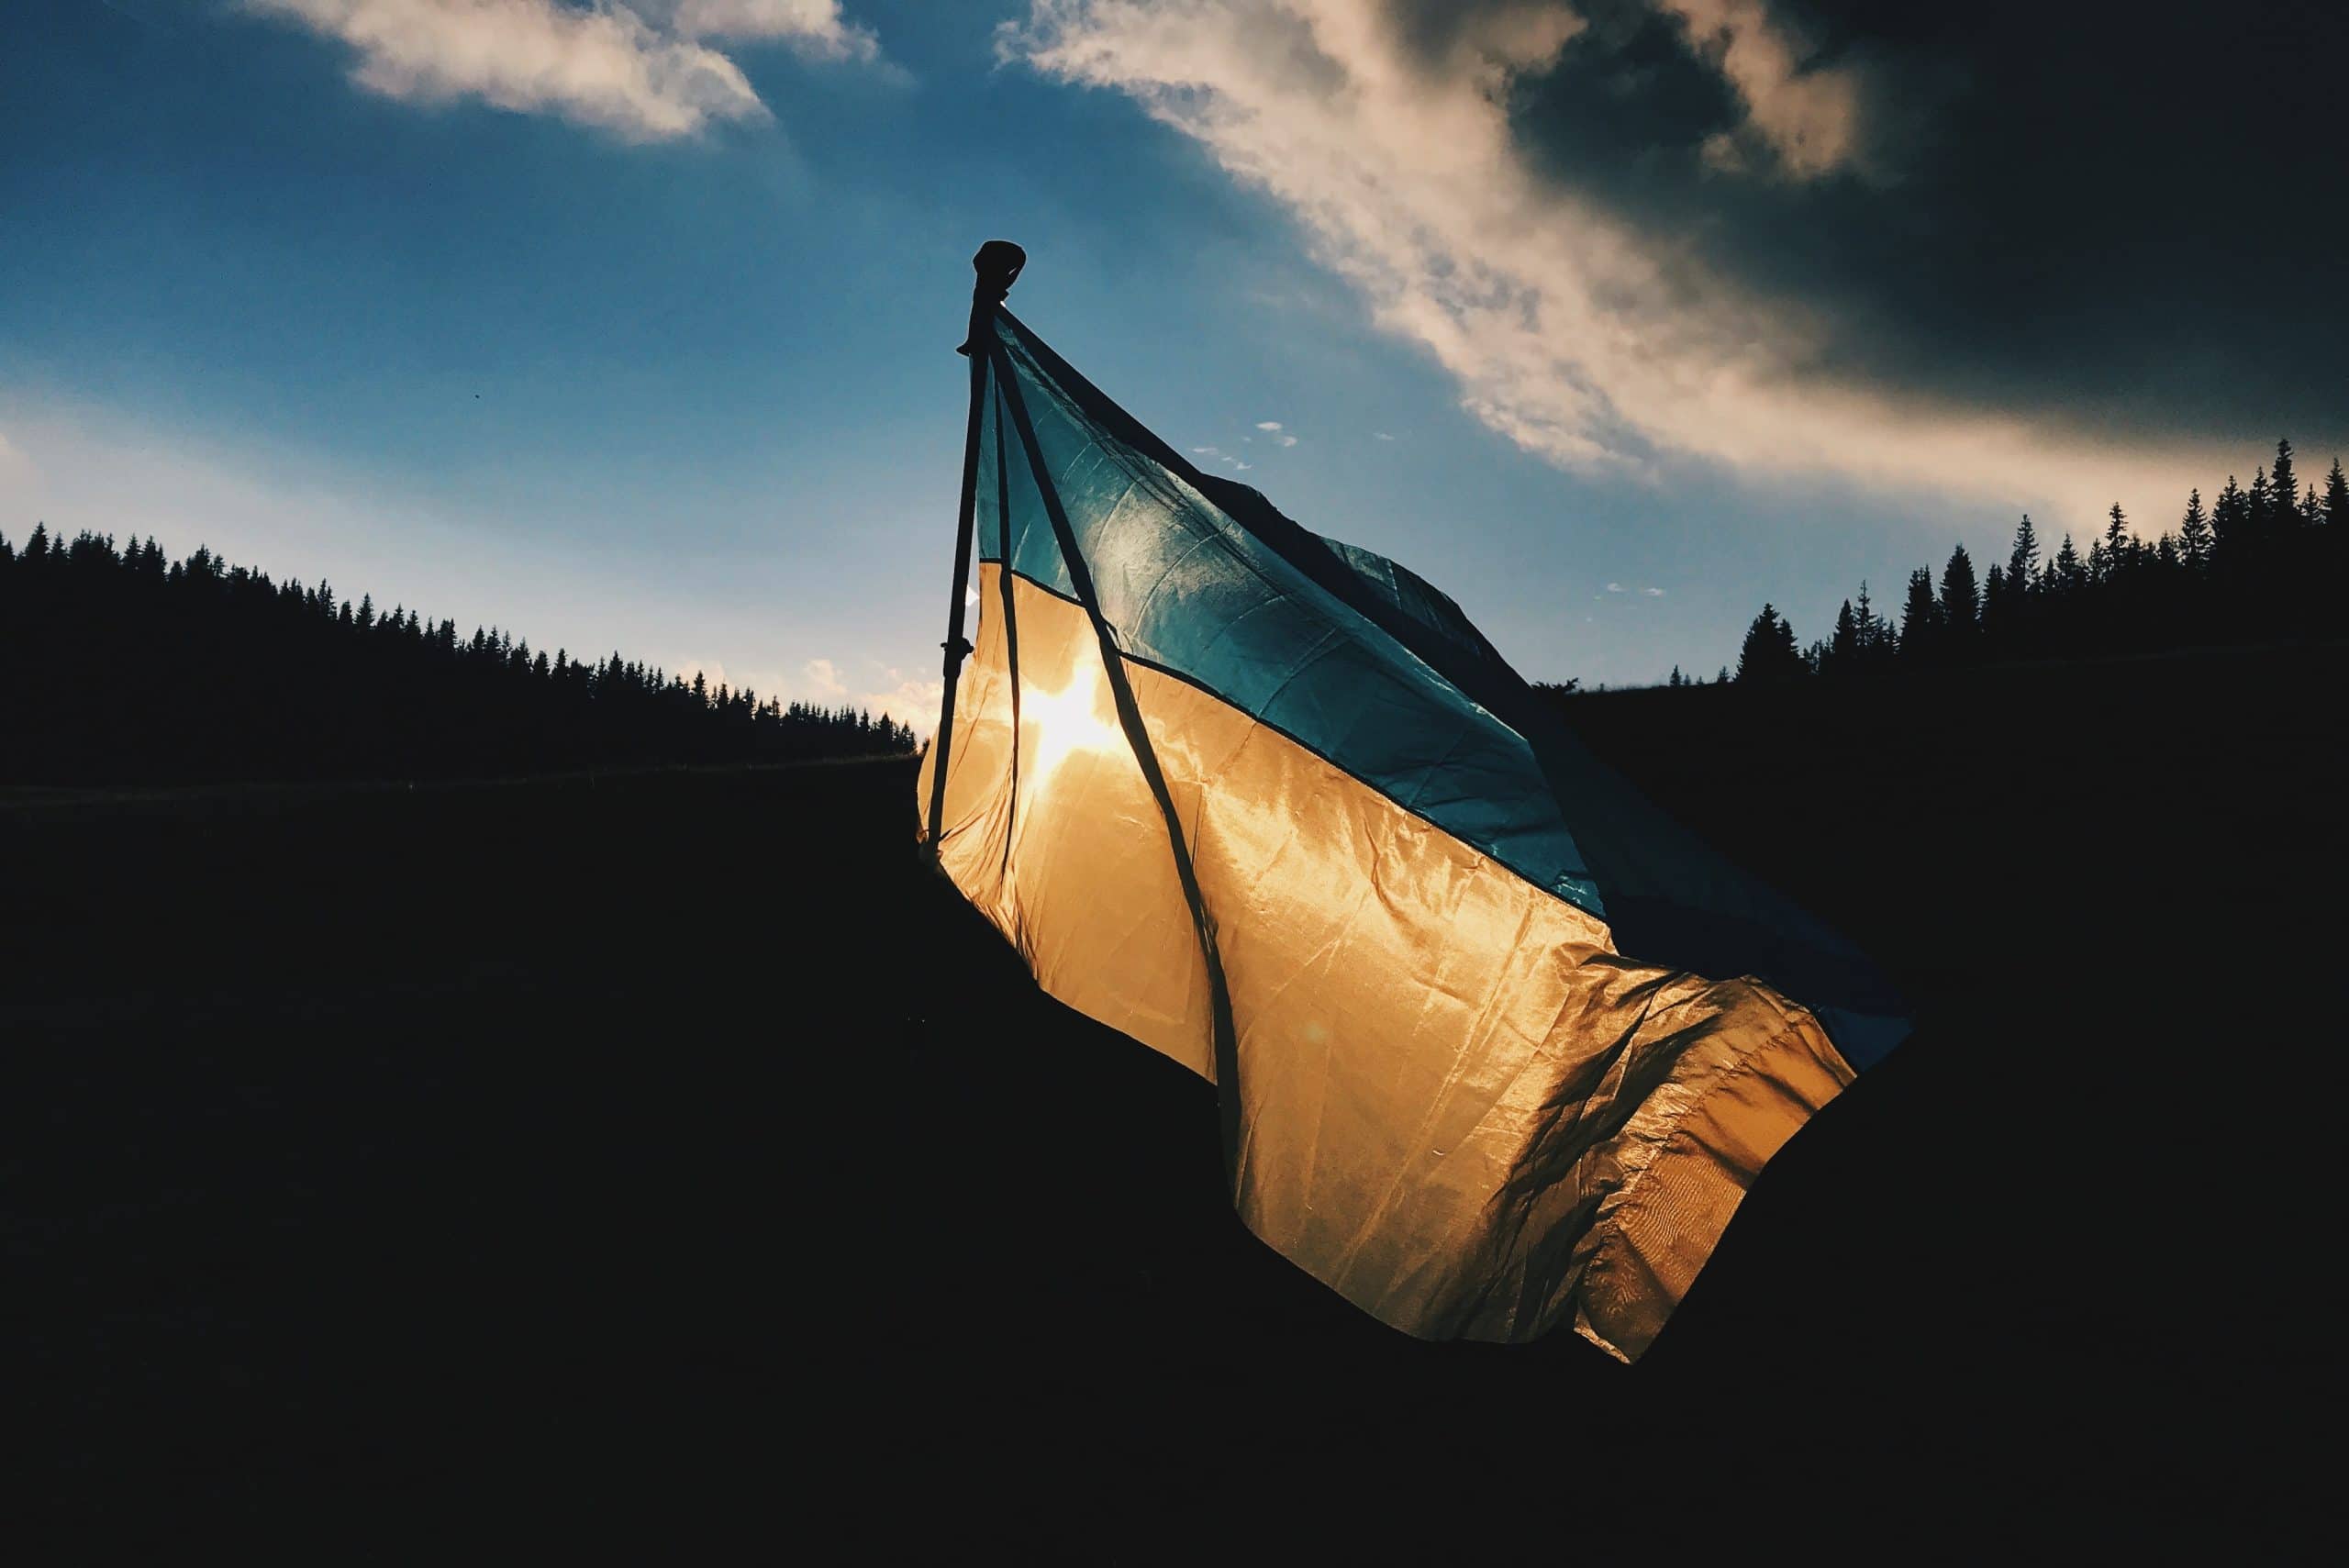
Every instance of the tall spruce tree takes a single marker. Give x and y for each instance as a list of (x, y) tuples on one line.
[(2336, 499), (2194, 533), (2022, 560), (2283, 490), (1843, 645), (1998, 602), (1961, 601), (2071, 572), (2229, 520), (1770, 656), (2116, 542), (1919, 618)]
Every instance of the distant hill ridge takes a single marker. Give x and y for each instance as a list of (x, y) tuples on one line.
[(119, 666), (2257, 565)]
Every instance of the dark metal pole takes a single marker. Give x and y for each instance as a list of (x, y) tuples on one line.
[(998, 265)]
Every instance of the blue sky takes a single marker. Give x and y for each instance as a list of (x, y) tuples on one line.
[(455, 303)]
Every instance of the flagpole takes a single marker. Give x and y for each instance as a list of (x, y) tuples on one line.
[(998, 265)]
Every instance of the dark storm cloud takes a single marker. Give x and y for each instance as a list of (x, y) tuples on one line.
[(2000, 252), (2134, 218)]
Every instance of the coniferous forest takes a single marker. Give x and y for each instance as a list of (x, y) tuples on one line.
[(123, 667), (2257, 564)]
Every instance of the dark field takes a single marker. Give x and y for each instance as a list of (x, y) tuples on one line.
[(664, 1160)]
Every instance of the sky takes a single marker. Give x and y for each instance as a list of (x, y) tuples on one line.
[(628, 325)]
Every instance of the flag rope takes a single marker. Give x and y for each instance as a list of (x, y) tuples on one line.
[(1080, 575)]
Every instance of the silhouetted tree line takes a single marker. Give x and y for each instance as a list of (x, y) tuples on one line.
[(2260, 563), (118, 665)]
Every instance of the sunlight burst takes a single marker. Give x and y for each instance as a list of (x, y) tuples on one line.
[(1076, 718)]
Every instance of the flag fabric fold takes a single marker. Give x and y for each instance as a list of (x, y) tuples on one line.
[(1271, 805)]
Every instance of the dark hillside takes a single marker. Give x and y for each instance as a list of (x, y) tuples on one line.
[(119, 666), (541, 1162)]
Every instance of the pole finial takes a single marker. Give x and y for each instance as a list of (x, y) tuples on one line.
[(997, 264)]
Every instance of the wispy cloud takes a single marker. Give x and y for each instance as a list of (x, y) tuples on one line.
[(1809, 121), (641, 69), (815, 27), (910, 700), (1568, 330), (1272, 427), (889, 691), (822, 682)]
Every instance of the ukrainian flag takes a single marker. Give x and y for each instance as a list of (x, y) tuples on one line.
[(1270, 804)]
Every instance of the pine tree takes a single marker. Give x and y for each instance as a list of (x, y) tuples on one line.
[(1920, 617), (1843, 643), (2070, 573), (2336, 499), (2116, 542), (1960, 602), (2194, 533), (2283, 489), (2023, 560), (1770, 656)]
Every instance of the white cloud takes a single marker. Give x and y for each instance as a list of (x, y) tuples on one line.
[(815, 27), (1383, 436), (1615, 587), (907, 700), (822, 683), (1574, 335), (1269, 424), (639, 70), (1653, 593), (1809, 120)]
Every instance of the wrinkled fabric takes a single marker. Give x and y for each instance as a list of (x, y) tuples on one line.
[(1188, 588), (1446, 1094)]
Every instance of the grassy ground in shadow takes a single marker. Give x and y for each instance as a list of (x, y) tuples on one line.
[(665, 1157)]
